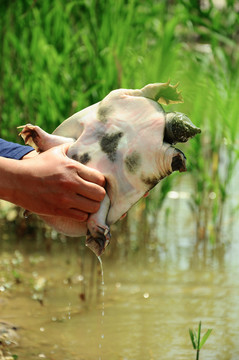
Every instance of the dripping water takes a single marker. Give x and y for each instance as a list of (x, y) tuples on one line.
[(69, 307), (103, 304)]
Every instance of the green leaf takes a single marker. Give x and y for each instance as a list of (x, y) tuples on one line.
[(192, 336), (205, 337), (199, 334)]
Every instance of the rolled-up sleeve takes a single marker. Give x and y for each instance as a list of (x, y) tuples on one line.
[(13, 150)]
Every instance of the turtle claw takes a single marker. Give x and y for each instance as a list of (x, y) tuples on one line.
[(30, 135), (26, 214)]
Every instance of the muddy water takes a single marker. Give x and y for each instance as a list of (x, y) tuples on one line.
[(150, 300)]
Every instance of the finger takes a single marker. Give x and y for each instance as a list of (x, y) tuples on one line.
[(85, 172), (91, 191), (77, 214), (91, 175), (86, 205), (71, 213), (64, 148)]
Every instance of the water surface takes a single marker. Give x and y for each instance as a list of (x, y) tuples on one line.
[(151, 298)]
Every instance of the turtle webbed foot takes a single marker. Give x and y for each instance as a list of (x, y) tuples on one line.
[(39, 139), (99, 241), (32, 135)]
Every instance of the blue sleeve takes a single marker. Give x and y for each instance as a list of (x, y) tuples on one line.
[(13, 150)]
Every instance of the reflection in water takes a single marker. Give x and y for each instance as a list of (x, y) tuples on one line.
[(146, 303)]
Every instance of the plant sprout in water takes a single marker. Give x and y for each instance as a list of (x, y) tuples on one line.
[(196, 339)]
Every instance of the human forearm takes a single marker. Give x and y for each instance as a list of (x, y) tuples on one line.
[(51, 184), (9, 169), (13, 150)]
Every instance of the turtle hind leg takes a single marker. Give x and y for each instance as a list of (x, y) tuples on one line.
[(98, 236), (39, 139)]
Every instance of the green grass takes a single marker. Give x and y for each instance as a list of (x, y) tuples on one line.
[(197, 341)]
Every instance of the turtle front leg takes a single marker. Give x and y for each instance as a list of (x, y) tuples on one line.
[(98, 236), (39, 139)]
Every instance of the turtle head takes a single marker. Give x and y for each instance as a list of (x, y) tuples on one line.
[(178, 161), (179, 128), (170, 159)]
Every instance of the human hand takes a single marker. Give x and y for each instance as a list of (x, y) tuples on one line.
[(53, 184)]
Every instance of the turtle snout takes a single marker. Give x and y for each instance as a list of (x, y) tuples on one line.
[(179, 161)]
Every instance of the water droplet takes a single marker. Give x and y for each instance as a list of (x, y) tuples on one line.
[(80, 278), (212, 195), (103, 304), (69, 311)]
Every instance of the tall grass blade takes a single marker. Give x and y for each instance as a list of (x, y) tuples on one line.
[(192, 336), (199, 334), (204, 338)]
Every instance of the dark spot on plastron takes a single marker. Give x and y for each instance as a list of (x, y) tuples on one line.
[(74, 157), (109, 144), (84, 159), (150, 181), (133, 162), (103, 113)]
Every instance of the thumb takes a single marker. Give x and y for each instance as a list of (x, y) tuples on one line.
[(65, 148)]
